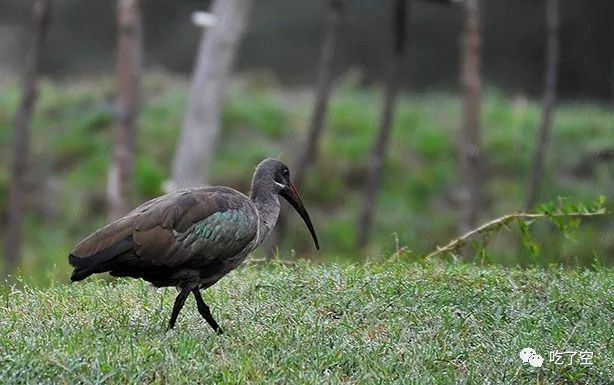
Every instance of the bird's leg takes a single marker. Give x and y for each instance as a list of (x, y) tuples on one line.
[(204, 311), (179, 301)]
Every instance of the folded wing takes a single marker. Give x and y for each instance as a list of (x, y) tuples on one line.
[(188, 228)]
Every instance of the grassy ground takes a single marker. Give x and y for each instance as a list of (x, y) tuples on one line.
[(390, 322), (418, 202)]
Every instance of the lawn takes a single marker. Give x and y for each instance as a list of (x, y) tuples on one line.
[(306, 323)]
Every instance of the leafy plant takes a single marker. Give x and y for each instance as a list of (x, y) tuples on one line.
[(563, 213)]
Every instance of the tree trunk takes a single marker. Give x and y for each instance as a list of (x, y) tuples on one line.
[(308, 153), (218, 47), (23, 119), (549, 101), (376, 159), (470, 141), (121, 173)]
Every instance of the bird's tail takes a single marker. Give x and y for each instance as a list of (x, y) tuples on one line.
[(82, 269), (99, 261)]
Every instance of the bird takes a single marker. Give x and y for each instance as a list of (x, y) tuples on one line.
[(190, 238)]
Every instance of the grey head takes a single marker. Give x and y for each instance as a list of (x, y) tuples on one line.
[(272, 178)]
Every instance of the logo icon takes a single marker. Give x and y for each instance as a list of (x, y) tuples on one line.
[(529, 355)]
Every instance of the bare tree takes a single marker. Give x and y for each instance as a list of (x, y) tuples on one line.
[(129, 53), (378, 152), (23, 119), (308, 152), (218, 47), (470, 135), (549, 101)]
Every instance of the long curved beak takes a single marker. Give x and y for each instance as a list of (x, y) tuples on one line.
[(291, 195)]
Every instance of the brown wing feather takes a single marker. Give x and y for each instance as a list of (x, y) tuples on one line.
[(148, 235), (164, 233), (104, 237), (155, 228)]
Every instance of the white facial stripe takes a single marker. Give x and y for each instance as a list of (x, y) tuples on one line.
[(279, 184)]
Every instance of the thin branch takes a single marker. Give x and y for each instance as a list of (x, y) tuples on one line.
[(503, 221)]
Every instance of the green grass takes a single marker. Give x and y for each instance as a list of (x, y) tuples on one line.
[(418, 201), (390, 322)]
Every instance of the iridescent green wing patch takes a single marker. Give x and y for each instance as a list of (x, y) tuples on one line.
[(231, 222)]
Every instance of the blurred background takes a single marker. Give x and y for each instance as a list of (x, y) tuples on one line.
[(404, 122)]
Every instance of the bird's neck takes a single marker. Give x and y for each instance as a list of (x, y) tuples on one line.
[(267, 205)]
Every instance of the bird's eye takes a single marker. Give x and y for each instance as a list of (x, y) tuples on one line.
[(285, 172)]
